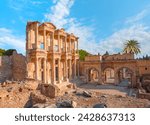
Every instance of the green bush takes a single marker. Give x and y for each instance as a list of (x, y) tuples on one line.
[(83, 54), (8, 52)]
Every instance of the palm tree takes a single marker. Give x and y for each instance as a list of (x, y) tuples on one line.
[(132, 46)]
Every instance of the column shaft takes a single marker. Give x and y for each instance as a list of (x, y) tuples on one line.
[(52, 43), (66, 70), (74, 48), (78, 67), (74, 68), (36, 69), (53, 79), (59, 71), (70, 44), (77, 47), (70, 69), (45, 74), (65, 44), (36, 36), (59, 44), (44, 40)]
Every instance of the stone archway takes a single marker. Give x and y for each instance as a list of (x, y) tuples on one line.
[(109, 75), (93, 75), (125, 76)]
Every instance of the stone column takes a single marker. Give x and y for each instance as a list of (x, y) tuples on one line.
[(100, 81), (28, 39), (36, 68), (66, 70), (52, 43), (78, 68), (74, 46), (59, 71), (116, 77), (36, 36), (45, 74), (133, 80), (59, 44), (65, 44), (70, 44), (70, 69), (75, 68), (44, 39), (53, 79), (77, 47)]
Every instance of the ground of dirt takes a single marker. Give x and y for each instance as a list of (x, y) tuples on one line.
[(17, 96)]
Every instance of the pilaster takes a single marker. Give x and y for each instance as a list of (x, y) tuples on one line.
[(44, 39), (36, 36), (70, 69), (45, 74), (53, 79), (36, 68)]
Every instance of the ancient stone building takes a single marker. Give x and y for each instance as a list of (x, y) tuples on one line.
[(52, 54), (114, 69)]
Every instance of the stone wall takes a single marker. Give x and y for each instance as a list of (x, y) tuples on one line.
[(93, 58), (12, 67), (144, 95), (18, 66), (5, 68), (125, 56), (143, 67)]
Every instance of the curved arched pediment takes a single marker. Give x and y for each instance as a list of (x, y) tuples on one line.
[(50, 25)]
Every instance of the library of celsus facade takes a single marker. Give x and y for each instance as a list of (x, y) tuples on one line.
[(52, 54)]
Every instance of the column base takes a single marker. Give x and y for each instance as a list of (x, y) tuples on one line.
[(60, 81)]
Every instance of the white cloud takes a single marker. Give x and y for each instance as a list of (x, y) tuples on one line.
[(8, 40), (115, 42), (20, 5), (59, 12), (60, 15), (137, 17), (133, 28)]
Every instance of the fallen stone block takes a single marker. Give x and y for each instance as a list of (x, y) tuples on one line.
[(31, 84), (51, 106), (100, 105), (49, 90), (66, 104), (37, 98), (39, 105), (87, 94), (8, 82)]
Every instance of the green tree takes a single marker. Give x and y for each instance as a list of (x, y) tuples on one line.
[(83, 54), (132, 46), (106, 54), (2, 52), (9, 52)]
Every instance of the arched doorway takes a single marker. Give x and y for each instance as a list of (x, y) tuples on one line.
[(109, 75), (93, 75), (125, 76)]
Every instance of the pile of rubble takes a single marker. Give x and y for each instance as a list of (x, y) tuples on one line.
[(31, 94), (144, 87)]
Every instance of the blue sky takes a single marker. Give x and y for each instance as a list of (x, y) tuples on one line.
[(101, 24)]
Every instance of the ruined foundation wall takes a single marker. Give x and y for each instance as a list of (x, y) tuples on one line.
[(18, 66), (5, 68), (12, 67)]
